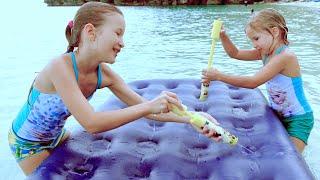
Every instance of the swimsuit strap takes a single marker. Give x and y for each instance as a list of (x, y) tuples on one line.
[(99, 77), (74, 63)]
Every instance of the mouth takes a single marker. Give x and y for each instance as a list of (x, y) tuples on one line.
[(116, 51)]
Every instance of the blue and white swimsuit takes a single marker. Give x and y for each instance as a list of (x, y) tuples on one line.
[(41, 119), (287, 98)]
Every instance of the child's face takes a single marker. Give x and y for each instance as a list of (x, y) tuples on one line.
[(110, 40), (261, 40)]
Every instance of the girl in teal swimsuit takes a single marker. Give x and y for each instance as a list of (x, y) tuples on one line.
[(65, 85), (267, 30)]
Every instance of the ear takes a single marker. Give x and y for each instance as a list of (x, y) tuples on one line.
[(275, 31), (90, 30)]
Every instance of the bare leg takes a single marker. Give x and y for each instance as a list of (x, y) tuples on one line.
[(300, 145), (29, 164)]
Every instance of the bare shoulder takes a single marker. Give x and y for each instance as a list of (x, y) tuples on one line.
[(105, 68), (292, 67), (110, 77), (289, 57), (61, 67), (107, 75), (56, 65)]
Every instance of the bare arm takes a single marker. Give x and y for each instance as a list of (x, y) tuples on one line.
[(234, 52), (127, 95), (119, 88), (276, 65), (94, 122)]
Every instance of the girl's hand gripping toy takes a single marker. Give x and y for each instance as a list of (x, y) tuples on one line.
[(200, 121)]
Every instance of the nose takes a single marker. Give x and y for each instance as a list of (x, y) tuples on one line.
[(121, 42)]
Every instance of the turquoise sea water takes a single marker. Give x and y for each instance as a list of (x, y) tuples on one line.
[(160, 42)]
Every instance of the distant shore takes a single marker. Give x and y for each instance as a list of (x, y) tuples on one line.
[(157, 2), (311, 4)]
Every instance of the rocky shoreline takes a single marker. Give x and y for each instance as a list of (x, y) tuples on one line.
[(155, 2)]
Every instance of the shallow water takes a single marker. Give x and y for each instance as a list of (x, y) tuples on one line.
[(161, 42)]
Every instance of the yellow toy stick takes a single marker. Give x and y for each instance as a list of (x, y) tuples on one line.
[(200, 121), (215, 35)]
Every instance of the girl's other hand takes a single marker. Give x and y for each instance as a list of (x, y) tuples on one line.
[(210, 74), (222, 32), (205, 131), (210, 133)]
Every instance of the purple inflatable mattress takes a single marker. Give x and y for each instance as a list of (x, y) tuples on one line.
[(146, 149)]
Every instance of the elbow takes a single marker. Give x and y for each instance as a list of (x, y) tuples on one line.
[(90, 126), (233, 54), (97, 124), (252, 84), (92, 130)]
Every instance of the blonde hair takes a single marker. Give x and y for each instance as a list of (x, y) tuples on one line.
[(267, 19), (90, 12)]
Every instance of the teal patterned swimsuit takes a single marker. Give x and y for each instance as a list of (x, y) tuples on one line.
[(39, 124)]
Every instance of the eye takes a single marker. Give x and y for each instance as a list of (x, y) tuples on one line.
[(256, 38)]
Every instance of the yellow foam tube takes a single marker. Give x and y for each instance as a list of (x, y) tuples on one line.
[(216, 28), (200, 121), (215, 35)]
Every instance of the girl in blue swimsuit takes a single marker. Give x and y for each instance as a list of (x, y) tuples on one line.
[(65, 85), (268, 31)]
